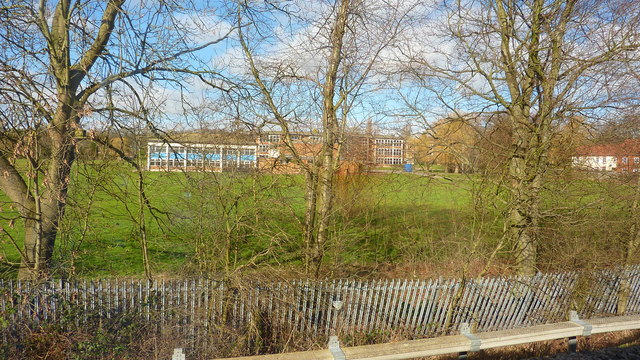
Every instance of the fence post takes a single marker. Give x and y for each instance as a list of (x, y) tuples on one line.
[(178, 354), (465, 329), (334, 348), (573, 344), (573, 341)]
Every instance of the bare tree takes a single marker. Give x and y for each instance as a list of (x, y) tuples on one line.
[(538, 62), (65, 61), (331, 51)]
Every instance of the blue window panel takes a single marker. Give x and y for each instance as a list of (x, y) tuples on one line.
[(194, 156), (215, 157), (230, 157), (157, 155), (176, 156), (248, 158)]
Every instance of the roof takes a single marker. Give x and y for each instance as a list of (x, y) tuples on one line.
[(625, 148), (210, 137), (347, 133)]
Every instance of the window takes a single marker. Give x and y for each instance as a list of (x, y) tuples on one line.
[(388, 152), (176, 157), (247, 156), (273, 138), (636, 159), (199, 156), (389, 142), (157, 155), (194, 157), (625, 160), (212, 158), (388, 161)]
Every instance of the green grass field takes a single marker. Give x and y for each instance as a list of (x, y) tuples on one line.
[(379, 218), (208, 222)]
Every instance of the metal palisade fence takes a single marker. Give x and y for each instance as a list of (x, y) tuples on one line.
[(414, 308)]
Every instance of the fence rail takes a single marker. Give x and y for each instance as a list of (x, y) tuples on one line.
[(312, 308), (463, 343)]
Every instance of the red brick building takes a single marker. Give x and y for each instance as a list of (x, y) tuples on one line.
[(362, 149)]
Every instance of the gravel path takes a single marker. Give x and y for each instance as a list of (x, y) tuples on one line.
[(628, 353)]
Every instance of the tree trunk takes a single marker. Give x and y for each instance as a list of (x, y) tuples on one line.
[(523, 229), (522, 218), (631, 253), (142, 228), (326, 196), (36, 254), (309, 225), (41, 227), (327, 165), (39, 241)]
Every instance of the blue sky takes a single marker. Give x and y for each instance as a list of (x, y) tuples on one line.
[(296, 46)]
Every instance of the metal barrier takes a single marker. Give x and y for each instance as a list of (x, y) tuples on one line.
[(463, 343)]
